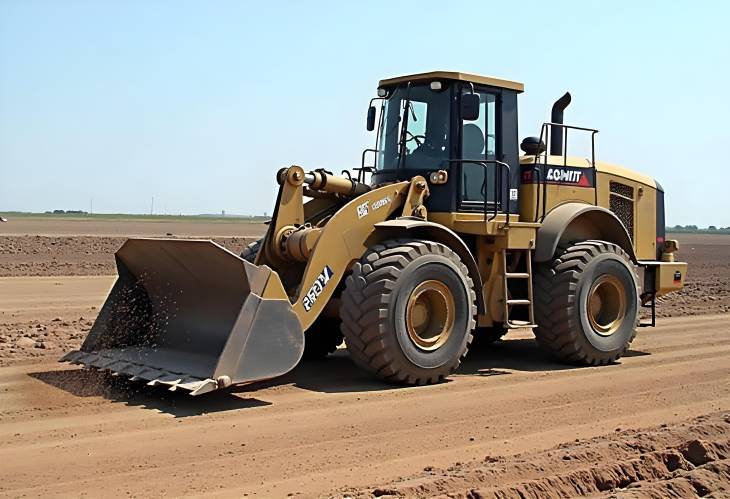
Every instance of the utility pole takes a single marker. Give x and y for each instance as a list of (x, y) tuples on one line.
[(91, 207), (152, 206)]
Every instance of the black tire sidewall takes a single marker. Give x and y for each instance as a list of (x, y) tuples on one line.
[(251, 250), (618, 267), (442, 269)]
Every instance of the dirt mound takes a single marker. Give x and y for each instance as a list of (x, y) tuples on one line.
[(681, 460)]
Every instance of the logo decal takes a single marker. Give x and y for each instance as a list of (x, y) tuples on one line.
[(362, 210), (563, 175), (322, 279), (580, 177), (380, 203), (677, 276)]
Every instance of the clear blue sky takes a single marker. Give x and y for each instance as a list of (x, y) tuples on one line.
[(199, 103)]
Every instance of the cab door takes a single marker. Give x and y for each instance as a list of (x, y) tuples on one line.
[(478, 183)]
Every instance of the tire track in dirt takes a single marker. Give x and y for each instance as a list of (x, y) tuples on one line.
[(325, 426)]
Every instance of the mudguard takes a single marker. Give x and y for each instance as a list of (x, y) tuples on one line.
[(580, 221)]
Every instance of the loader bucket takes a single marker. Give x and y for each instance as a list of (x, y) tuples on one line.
[(190, 314)]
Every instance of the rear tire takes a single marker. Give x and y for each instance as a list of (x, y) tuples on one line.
[(408, 311), (323, 336), (249, 252), (587, 303)]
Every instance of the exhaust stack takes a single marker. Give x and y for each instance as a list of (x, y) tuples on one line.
[(556, 136)]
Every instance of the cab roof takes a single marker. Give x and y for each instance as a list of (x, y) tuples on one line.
[(455, 75)]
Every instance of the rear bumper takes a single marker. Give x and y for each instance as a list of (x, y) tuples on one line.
[(663, 277)]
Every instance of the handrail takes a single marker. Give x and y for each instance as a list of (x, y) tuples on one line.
[(485, 163), (361, 171), (545, 131), (536, 171)]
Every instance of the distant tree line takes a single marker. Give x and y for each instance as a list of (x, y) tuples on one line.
[(67, 212), (693, 228)]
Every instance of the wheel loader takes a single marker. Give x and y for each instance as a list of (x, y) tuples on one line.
[(456, 236)]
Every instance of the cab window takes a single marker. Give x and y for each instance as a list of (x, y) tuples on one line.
[(478, 142), (425, 143)]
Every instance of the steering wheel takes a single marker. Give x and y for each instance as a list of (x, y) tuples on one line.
[(420, 139)]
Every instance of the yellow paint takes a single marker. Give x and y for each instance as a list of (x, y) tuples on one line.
[(345, 239), (664, 280), (643, 235), (455, 75)]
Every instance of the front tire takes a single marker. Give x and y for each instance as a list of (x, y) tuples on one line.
[(408, 311), (587, 303)]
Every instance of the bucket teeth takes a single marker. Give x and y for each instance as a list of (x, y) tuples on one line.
[(200, 388), (136, 372), (191, 315)]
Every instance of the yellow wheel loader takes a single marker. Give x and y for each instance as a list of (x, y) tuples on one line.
[(455, 236)]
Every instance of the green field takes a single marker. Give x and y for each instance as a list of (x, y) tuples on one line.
[(136, 217), (693, 229)]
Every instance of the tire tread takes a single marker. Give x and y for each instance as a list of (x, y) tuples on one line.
[(365, 309), (556, 283)]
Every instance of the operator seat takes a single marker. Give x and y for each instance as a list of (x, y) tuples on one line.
[(472, 147)]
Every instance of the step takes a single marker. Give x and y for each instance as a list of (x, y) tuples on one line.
[(518, 302), (516, 324), (517, 275)]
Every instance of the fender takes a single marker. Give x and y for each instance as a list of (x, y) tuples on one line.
[(416, 227), (580, 221)]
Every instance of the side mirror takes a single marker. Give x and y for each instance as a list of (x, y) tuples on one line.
[(371, 119), (469, 107)]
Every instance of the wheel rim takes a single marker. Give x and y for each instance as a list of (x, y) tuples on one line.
[(606, 305), (430, 315)]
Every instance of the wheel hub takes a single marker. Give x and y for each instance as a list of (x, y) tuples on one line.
[(606, 305), (430, 315)]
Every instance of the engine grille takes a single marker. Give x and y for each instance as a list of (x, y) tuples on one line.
[(621, 203)]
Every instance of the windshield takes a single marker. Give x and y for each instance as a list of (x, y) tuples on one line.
[(424, 144)]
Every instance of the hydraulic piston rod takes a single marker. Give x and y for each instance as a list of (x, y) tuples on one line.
[(321, 181)]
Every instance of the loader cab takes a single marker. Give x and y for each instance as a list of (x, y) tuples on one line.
[(427, 123)]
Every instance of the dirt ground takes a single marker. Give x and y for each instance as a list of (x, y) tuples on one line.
[(327, 430), (510, 423), (77, 255), (47, 247)]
